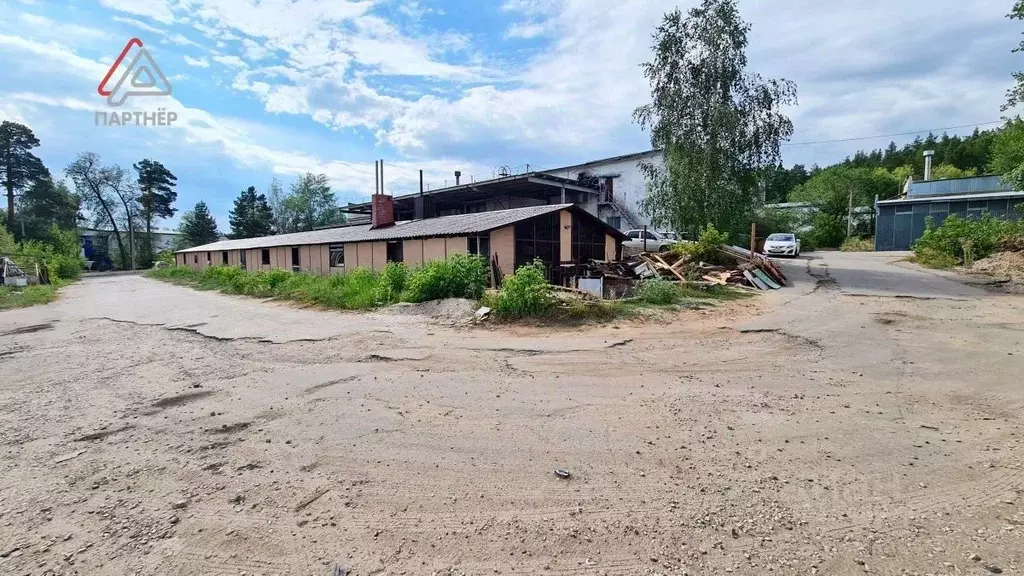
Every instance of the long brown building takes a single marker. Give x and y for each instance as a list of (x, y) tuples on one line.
[(560, 235)]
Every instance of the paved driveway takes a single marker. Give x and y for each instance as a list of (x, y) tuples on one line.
[(882, 274)]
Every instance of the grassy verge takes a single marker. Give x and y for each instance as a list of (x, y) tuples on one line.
[(12, 297), (461, 276)]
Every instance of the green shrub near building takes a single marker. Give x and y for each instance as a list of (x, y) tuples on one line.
[(961, 241)]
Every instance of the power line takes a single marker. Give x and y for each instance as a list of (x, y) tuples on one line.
[(891, 135)]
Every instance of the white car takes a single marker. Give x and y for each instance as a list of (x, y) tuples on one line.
[(782, 245)]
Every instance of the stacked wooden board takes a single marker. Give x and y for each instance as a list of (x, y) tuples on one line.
[(754, 269)]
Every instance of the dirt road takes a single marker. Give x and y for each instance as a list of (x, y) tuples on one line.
[(150, 429)]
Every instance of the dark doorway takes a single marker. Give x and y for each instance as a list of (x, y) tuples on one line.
[(295, 257), (241, 258), (395, 251), (539, 238), (224, 258)]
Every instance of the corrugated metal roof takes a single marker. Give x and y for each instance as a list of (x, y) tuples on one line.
[(952, 198), (455, 225)]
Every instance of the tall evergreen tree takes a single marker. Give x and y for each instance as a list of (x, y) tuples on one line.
[(19, 167), (198, 227), (47, 204), (252, 216), (156, 184), (719, 124)]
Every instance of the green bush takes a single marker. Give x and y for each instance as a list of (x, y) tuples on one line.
[(854, 244), (525, 294), (963, 240), (392, 283), (828, 231), (459, 276), (657, 291), (705, 249), (66, 267)]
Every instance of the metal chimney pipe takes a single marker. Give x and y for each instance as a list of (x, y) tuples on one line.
[(458, 174), (421, 182), (382, 176), (376, 178), (928, 154)]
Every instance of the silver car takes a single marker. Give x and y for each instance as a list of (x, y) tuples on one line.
[(646, 241), (782, 245)]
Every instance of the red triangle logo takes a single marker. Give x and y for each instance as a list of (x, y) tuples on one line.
[(102, 88)]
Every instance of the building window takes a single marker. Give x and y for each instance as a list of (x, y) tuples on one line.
[(265, 257), (394, 251), (209, 258), (337, 252), (195, 258), (480, 245), (241, 259), (905, 209), (224, 257), (295, 257)]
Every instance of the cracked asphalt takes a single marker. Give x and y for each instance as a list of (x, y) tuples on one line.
[(866, 419)]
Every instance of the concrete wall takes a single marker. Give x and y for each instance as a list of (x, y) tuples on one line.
[(412, 252), (503, 246), (628, 185), (433, 249), (459, 245), (380, 255)]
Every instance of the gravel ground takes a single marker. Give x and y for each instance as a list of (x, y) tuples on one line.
[(151, 429)]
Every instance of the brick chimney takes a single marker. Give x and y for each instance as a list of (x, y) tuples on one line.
[(382, 211)]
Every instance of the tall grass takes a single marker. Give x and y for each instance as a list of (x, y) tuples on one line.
[(20, 297), (360, 289)]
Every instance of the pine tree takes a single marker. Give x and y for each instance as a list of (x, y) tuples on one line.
[(19, 167), (198, 227), (252, 216), (157, 186)]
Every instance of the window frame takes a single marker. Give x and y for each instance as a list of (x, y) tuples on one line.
[(264, 256), (332, 250)]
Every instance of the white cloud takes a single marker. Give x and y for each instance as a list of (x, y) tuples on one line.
[(253, 50), (156, 9), (230, 61), (525, 30), (197, 62), (139, 24), (62, 30), (181, 40)]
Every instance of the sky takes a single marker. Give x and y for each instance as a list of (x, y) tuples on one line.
[(277, 88)]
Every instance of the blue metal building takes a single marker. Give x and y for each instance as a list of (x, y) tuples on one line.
[(900, 222)]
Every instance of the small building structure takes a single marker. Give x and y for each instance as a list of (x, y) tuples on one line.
[(611, 189), (900, 222), (562, 235)]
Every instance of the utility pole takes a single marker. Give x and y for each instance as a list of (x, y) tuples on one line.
[(849, 216)]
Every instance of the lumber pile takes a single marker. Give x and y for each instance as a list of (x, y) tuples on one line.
[(754, 270), (743, 269)]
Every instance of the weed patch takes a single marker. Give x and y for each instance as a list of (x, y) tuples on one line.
[(20, 297)]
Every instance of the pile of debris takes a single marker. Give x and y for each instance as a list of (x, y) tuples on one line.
[(743, 269)]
